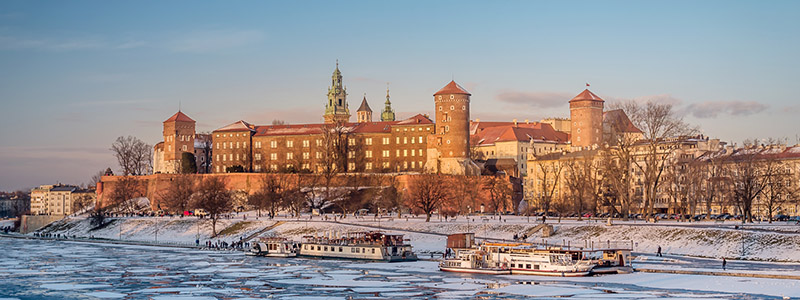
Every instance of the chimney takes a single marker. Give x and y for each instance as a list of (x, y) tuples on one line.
[(515, 122), (527, 121), (477, 120)]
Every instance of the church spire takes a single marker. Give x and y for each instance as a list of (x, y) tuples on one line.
[(388, 113), (337, 110)]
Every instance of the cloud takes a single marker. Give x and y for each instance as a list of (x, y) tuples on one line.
[(535, 99), (214, 40), (792, 109), (660, 99), (711, 109)]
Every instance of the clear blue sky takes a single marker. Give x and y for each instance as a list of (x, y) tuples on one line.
[(74, 75)]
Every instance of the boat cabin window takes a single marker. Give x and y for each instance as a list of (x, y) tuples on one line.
[(340, 249), (326, 248), (535, 267), (528, 266), (373, 250)]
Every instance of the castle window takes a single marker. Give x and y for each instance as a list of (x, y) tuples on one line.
[(258, 156), (405, 140), (448, 142), (351, 166), (273, 144), (385, 153), (289, 155), (420, 140), (368, 153), (289, 144), (386, 165), (306, 143), (306, 155), (217, 145), (319, 142), (351, 142), (397, 139), (183, 148), (413, 164), (405, 152), (319, 155), (386, 141), (369, 166), (420, 152), (368, 141), (397, 153), (463, 107), (452, 107), (237, 145), (273, 156), (440, 108)]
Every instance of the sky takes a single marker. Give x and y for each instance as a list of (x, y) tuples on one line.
[(75, 75)]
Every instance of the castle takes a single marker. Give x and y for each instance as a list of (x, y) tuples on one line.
[(415, 144)]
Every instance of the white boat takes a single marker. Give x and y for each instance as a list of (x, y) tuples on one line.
[(360, 245), (274, 247), (528, 260), (472, 261)]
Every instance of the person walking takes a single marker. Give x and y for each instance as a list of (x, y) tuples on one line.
[(724, 263), (658, 253)]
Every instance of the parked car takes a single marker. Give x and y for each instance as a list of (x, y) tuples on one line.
[(781, 218), (200, 212)]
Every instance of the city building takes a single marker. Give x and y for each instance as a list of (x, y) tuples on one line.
[(60, 199)]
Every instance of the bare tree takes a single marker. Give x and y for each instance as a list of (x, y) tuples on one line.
[(135, 157), (125, 190), (581, 181), (389, 196), (334, 148), (270, 195), (81, 201), (427, 192), (617, 158), (749, 174), (660, 126), (178, 194), (779, 188), (465, 192), (548, 176), (499, 193), (96, 178), (214, 197)]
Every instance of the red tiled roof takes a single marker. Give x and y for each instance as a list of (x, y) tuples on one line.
[(586, 95), (507, 133), (237, 126), (476, 127), (364, 106), (619, 116), (452, 88), (366, 127), (179, 117)]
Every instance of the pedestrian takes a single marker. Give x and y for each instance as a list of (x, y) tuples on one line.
[(659, 251), (724, 262)]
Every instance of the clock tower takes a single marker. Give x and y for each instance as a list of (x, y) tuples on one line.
[(337, 110)]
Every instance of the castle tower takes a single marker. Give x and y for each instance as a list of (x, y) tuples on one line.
[(337, 110), (364, 113), (388, 113), (586, 114), (178, 134), (448, 146)]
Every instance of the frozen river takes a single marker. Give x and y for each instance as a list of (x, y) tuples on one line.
[(38, 269)]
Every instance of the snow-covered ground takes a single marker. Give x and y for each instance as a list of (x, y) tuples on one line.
[(769, 242)]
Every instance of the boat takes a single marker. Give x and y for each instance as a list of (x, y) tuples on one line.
[(274, 247), (472, 261), (526, 259), (370, 245), (464, 256)]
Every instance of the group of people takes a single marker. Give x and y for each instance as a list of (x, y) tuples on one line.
[(522, 237), (225, 245), (6, 229)]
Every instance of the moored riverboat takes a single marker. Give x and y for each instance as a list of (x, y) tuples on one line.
[(371, 245), (274, 247)]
